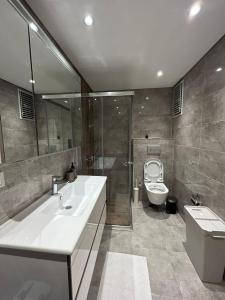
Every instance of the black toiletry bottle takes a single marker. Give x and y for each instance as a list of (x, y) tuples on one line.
[(71, 173), (72, 168)]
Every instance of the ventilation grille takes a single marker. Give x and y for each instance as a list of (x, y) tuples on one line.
[(26, 105), (177, 105)]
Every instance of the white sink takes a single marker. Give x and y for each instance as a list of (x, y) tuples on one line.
[(73, 200), (68, 207), (42, 227)]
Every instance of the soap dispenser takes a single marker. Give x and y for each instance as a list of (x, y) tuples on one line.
[(71, 173), (72, 168)]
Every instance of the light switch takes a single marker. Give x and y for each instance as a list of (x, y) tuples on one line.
[(2, 180)]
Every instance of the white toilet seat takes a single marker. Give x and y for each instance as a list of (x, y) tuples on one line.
[(153, 170), (153, 180), (157, 188)]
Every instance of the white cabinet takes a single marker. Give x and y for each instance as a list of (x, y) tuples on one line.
[(86, 242), (33, 276), (205, 244), (85, 283), (26, 274)]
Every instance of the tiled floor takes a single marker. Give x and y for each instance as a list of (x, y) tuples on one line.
[(160, 238)]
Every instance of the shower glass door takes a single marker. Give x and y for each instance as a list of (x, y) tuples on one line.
[(117, 160), (110, 132)]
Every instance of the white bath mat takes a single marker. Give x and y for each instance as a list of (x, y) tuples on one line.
[(125, 277)]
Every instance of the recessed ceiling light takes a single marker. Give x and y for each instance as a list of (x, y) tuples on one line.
[(160, 73), (142, 107), (78, 108), (66, 101), (88, 20), (33, 27), (195, 9), (95, 99), (117, 107), (32, 81), (147, 98), (219, 69), (119, 112), (115, 100)]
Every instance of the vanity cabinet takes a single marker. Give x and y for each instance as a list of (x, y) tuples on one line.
[(39, 275), (87, 245)]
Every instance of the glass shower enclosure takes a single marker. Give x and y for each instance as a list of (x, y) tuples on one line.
[(101, 131), (108, 150)]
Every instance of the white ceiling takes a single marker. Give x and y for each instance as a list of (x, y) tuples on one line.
[(132, 39)]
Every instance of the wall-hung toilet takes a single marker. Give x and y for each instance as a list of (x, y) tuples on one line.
[(153, 180)]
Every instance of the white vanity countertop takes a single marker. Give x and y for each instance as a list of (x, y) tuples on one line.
[(43, 231)]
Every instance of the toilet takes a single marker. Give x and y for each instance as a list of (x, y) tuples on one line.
[(153, 180)]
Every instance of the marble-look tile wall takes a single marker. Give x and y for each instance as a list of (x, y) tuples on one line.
[(27, 180), (115, 126), (42, 125), (77, 122), (97, 123), (200, 134), (19, 135), (152, 117)]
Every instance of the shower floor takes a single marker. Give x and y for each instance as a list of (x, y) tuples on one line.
[(118, 210)]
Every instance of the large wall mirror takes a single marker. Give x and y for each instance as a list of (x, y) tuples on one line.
[(52, 76), (18, 135), (31, 67)]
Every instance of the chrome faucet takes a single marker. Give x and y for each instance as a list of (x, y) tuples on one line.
[(196, 199), (56, 180)]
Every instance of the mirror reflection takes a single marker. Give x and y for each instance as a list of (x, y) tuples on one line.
[(59, 125), (18, 124), (51, 75), (32, 66)]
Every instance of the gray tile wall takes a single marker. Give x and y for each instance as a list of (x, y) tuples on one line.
[(42, 125), (19, 135), (28, 180), (77, 122), (152, 116), (152, 113), (200, 134), (115, 128)]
